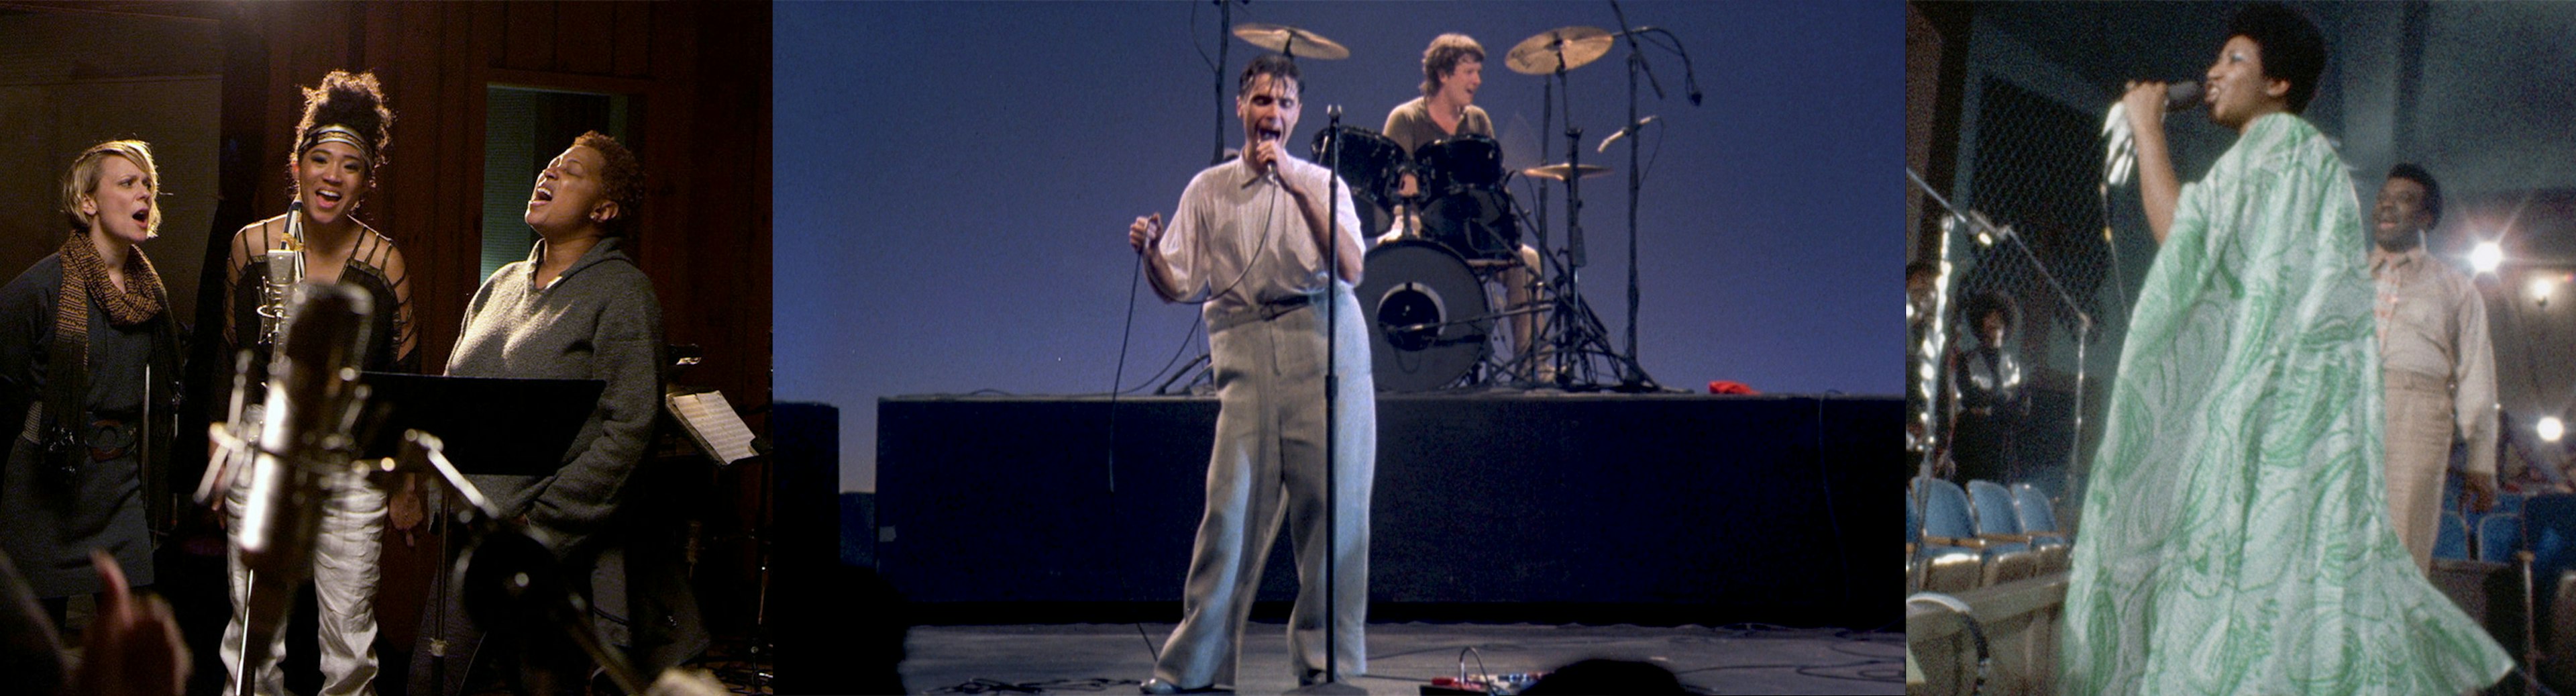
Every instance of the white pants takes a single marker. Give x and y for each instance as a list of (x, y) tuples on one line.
[(2419, 456), (344, 582), (1268, 465)]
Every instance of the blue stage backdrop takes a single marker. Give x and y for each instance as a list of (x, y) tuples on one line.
[(955, 182)]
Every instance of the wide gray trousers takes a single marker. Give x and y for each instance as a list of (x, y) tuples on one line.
[(1268, 465)]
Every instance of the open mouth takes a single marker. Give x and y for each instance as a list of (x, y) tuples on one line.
[(328, 195), (143, 215), (542, 196)]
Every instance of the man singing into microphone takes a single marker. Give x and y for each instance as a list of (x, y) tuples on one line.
[(2236, 534), (2436, 358), (1248, 243)]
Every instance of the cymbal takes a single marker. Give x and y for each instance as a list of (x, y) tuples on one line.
[(1297, 43), (1558, 171), (1537, 55)]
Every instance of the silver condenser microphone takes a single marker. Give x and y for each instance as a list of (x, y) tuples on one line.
[(304, 452)]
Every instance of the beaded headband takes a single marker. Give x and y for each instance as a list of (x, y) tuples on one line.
[(339, 134)]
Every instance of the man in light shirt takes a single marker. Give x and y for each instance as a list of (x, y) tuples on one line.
[(1249, 242), (2436, 359)]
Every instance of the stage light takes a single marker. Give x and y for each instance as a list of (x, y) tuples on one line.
[(2550, 429), (2541, 286), (2486, 257)]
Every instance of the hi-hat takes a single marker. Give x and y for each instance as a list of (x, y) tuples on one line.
[(1539, 55), (1295, 42), (1558, 171)]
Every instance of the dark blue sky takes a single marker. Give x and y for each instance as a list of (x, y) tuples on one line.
[(954, 182)]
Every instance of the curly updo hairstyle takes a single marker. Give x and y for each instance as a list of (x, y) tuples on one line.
[(350, 100)]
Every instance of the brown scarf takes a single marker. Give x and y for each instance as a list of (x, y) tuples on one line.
[(138, 303)]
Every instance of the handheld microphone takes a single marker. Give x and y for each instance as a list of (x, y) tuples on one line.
[(304, 450), (1624, 132), (2182, 96)]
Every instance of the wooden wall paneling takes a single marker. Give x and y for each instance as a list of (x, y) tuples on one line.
[(581, 38), (732, 97), (631, 40), (529, 43), (673, 234)]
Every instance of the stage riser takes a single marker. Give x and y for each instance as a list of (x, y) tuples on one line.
[(1716, 506)]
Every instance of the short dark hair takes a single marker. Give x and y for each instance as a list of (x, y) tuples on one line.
[(1278, 67), (2292, 48), (1443, 57), (2432, 191), (621, 179), (1921, 268)]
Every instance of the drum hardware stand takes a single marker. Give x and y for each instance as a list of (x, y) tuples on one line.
[(1225, 19), (1577, 330)]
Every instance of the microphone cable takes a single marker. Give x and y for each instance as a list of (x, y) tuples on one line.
[(1118, 375), (1116, 378)]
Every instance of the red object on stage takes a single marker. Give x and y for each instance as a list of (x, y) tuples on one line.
[(1720, 386)]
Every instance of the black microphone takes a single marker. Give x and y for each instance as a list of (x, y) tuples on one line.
[(1624, 132), (304, 446)]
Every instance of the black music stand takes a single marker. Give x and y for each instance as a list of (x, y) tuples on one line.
[(491, 426)]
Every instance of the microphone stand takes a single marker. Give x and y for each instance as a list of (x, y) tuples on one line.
[(2083, 319), (1332, 414), (1632, 375)]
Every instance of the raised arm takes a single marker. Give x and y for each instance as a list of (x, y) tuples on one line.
[(2159, 189)]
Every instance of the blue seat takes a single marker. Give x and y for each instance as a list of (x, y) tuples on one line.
[(2451, 494), (2509, 502), (2499, 535), (1913, 520), (1946, 513), (2453, 541), (1999, 516), (1994, 505), (2038, 516)]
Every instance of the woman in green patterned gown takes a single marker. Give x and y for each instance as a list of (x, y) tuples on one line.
[(2235, 536)]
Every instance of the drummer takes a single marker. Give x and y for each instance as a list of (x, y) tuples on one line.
[(1452, 69)]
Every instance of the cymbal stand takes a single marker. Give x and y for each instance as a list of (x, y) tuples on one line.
[(1576, 331), (1225, 18)]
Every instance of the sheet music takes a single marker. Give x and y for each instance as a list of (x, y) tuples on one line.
[(711, 421)]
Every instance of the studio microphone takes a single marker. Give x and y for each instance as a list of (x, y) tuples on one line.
[(304, 450), (1624, 132), (285, 268)]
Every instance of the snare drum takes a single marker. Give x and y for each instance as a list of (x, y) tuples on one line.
[(1465, 206)]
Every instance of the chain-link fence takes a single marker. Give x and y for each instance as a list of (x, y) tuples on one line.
[(2031, 299)]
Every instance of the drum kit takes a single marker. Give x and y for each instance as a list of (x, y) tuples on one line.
[(1425, 283)]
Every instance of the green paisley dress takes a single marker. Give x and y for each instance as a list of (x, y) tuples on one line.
[(2235, 536)]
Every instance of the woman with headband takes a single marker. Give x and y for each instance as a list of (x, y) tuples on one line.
[(89, 364), (339, 147)]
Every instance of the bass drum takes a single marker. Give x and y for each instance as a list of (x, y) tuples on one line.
[(1427, 316)]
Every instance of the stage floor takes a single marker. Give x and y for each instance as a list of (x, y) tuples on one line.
[(1112, 658)]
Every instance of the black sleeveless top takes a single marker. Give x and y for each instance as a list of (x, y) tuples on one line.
[(392, 338)]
